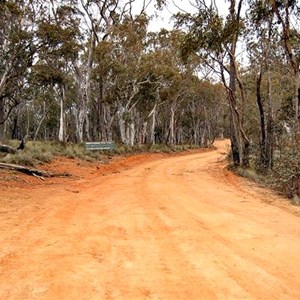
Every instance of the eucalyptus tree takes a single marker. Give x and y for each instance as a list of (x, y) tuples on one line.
[(59, 35), (204, 117), (287, 13), (17, 50), (180, 108), (100, 19), (263, 52), (215, 40), (119, 76), (174, 80), (169, 68)]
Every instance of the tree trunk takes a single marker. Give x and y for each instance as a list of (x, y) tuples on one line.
[(105, 117), (153, 124), (172, 126), (14, 134), (61, 133), (80, 109), (122, 125), (144, 139), (101, 113), (285, 20), (239, 142), (197, 131), (263, 150), (87, 126), (87, 99), (202, 136), (269, 152), (7, 149), (131, 134), (109, 121), (29, 171), (297, 104), (2, 116), (270, 127), (40, 122), (233, 122), (80, 114)]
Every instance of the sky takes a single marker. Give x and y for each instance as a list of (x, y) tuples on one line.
[(163, 19)]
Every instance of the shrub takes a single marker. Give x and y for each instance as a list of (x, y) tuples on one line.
[(250, 173), (286, 171), (37, 152), (296, 200)]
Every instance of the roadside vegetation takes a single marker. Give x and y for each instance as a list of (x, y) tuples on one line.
[(284, 176), (37, 152)]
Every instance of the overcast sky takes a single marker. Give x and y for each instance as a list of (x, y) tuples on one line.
[(163, 19)]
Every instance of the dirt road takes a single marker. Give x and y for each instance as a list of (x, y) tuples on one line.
[(175, 228)]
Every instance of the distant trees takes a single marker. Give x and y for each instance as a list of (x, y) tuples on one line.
[(287, 14), (244, 49), (214, 40), (17, 50), (81, 70)]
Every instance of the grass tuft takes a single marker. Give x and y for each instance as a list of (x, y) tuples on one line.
[(295, 200), (43, 152)]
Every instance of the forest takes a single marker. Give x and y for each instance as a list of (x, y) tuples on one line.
[(91, 70)]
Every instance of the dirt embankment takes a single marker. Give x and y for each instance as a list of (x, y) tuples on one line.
[(147, 227)]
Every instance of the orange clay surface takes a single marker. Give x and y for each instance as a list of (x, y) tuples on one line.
[(148, 226)]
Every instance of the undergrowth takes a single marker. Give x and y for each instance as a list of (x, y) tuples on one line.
[(284, 176), (251, 174), (286, 171), (43, 152)]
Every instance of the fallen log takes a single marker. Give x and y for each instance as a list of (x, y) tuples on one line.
[(29, 171), (11, 150), (7, 149)]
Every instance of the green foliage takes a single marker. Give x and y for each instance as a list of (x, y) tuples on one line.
[(286, 171), (45, 74), (61, 63), (207, 32), (161, 3), (259, 11), (286, 113)]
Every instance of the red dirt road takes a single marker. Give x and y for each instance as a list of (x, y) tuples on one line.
[(172, 228)]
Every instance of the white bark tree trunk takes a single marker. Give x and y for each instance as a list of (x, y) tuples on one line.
[(172, 126), (131, 136), (122, 125), (143, 138), (61, 133), (40, 122), (153, 124), (79, 117)]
